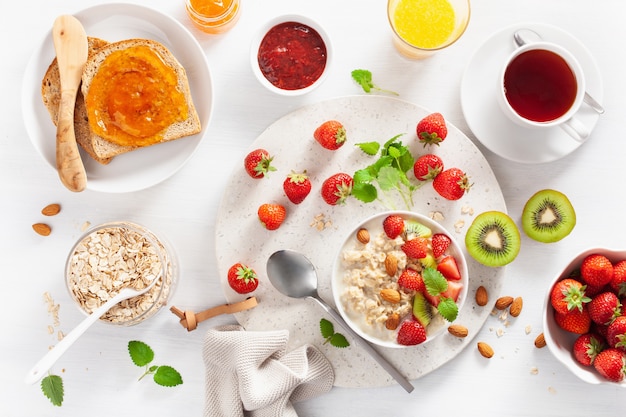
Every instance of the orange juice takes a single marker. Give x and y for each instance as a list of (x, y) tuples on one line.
[(213, 16), (422, 26)]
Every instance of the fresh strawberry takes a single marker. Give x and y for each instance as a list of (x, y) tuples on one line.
[(605, 307), (616, 333), (330, 134), (272, 215), (258, 163), (440, 243), (416, 248), (242, 278), (427, 167), (453, 291), (432, 129), (411, 280), (452, 184), (337, 188), (568, 294), (449, 268), (596, 270), (574, 321), (297, 186), (586, 348), (411, 332), (611, 364), (393, 225), (618, 282)]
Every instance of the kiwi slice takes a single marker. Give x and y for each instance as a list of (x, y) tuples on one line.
[(422, 309), (548, 216), (417, 228), (493, 239)]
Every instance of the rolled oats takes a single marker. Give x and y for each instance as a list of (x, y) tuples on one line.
[(116, 256)]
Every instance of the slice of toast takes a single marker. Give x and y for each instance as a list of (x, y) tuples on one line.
[(190, 126), (51, 96)]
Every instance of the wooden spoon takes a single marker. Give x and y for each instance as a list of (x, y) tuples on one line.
[(70, 44)]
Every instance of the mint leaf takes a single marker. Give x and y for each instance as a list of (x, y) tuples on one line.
[(327, 328), (388, 178), (364, 79), (370, 148), (328, 333), (435, 282), (448, 309), (167, 376), (140, 353), (338, 340), (52, 387)]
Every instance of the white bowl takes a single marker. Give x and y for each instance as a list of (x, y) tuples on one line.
[(381, 336), (559, 341), (263, 30)]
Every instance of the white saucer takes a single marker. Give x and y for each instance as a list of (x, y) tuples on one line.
[(487, 121)]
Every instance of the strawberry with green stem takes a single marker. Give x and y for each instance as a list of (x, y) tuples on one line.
[(568, 294), (297, 186), (432, 129), (452, 184), (337, 188), (427, 167), (242, 279), (611, 364), (258, 163), (586, 347), (331, 135)]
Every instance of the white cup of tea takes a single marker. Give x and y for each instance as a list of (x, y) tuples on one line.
[(541, 86)]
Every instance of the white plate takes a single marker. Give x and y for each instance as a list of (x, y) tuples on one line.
[(142, 168), (240, 237), (491, 126)]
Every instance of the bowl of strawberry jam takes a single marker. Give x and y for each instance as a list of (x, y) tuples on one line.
[(291, 55)]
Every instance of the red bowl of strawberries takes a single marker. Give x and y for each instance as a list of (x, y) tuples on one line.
[(399, 279), (585, 316)]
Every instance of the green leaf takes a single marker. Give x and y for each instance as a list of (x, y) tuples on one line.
[(140, 353), (364, 192), (339, 340), (363, 78), (52, 387), (327, 328), (435, 282), (388, 178), (448, 309), (167, 376), (370, 148)]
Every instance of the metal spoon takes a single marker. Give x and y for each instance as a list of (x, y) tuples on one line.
[(70, 44), (294, 275), (59, 349), (524, 36)]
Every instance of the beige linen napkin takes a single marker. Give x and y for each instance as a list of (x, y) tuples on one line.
[(249, 373)]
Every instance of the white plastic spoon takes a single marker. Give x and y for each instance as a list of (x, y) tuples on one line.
[(59, 349)]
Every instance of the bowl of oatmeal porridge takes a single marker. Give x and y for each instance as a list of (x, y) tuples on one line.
[(116, 255), (396, 267)]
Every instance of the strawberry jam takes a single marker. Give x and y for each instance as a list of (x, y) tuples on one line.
[(292, 56)]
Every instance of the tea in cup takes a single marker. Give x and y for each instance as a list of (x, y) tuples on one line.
[(542, 85)]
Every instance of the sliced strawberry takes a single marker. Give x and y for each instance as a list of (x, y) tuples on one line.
[(411, 280), (411, 332), (453, 291), (449, 268), (416, 248), (393, 225), (440, 243)]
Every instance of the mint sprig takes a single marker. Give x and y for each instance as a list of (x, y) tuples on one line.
[(52, 387), (387, 174), (328, 333), (364, 79), (436, 284), (142, 355)]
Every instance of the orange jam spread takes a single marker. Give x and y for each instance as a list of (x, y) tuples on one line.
[(133, 98)]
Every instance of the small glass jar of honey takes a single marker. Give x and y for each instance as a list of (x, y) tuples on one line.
[(213, 16)]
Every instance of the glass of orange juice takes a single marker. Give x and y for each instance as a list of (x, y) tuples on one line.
[(422, 27), (213, 16)]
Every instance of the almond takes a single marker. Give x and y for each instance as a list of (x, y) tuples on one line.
[(51, 210), (485, 349), (391, 265), (516, 306), (503, 302), (540, 341), (391, 295), (42, 229), (363, 236), (457, 330), (392, 321), (482, 297)]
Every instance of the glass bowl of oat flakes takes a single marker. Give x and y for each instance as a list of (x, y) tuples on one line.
[(399, 279), (116, 255)]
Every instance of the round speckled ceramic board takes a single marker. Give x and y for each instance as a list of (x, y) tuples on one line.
[(240, 237)]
